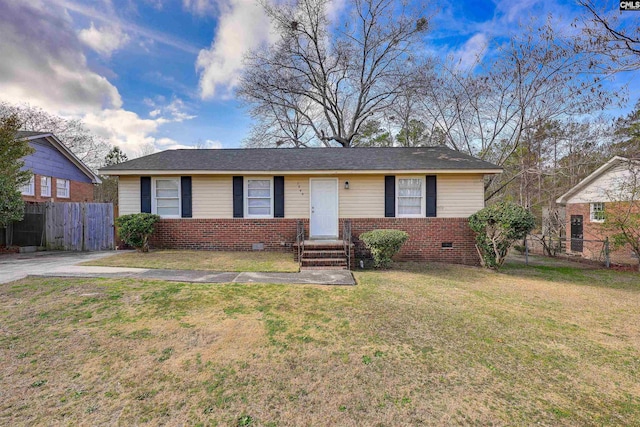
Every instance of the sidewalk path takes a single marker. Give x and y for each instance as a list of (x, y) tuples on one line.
[(315, 277), (64, 264)]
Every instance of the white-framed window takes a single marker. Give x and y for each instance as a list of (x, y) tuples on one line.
[(165, 200), (597, 212), (258, 198), (410, 197), (28, 189), (45, 186), (62, 188)]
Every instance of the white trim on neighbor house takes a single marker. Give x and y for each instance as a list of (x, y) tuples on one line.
[(29, 189), (602, 170), (312, 211), (301, 172), (423, 196), (154, 198), (63, 191), (45, 186), (67, 153), (246, 197)]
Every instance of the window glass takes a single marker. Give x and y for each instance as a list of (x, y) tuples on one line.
[(597, 212), (409, 196), (45, 186), (62, 187), (259, 197), (167, 197), (28, 188)]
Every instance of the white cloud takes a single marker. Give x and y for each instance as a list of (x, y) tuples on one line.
[(210, 143), (175, 111), (242, 25), (171, 144), (200, 7), (42, 62), (123, 128), (109, 18), (103, 40), (472, 52)]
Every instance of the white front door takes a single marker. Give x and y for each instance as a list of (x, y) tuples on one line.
[(323, 221)]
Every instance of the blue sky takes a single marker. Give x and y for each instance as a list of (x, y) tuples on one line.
[(161, 73)]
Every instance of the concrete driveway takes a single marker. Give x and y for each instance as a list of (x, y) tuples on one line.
[(18, 266)]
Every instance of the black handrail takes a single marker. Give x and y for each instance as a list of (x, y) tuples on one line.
[(346, 241), (300, 241)]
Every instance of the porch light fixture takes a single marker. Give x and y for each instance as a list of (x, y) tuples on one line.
[(346, 185)]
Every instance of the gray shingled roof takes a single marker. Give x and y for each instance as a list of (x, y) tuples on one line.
[(305, 159)]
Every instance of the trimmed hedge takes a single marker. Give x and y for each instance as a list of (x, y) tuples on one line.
[(497, 227), (384, 244), (136, 229)]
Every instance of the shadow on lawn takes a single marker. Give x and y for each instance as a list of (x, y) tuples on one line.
[(576, 275), (558, 271)]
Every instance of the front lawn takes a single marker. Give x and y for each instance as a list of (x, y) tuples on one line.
[(202, 260), (420, 344)]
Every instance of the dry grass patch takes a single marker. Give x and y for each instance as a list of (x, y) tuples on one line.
[(201, 260), (415, 345)]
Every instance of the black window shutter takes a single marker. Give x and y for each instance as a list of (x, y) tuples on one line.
[(432, 195), (278, 194), (145, 194), (389, 196), (238, 190), (185, 192)]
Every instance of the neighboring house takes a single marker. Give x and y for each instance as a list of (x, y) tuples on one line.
[(244, 199), (586, 204), (58, 175)]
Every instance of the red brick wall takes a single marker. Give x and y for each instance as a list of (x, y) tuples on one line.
[(426, 236), (78, 192), (594, 231)]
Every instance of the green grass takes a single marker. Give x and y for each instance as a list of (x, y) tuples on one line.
[(201, 260), (418, 344)]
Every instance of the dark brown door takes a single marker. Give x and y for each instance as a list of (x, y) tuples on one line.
[(576, 233)]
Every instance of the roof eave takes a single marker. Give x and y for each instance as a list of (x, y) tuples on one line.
[(95, 179), (138, 172), (562, 200)]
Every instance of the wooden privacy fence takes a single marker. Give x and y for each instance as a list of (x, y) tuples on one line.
[(79, 226)]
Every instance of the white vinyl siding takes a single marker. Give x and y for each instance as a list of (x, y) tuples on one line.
[(28, 189), (364, 198), (604, 187), (45, 186), (459, 196), (258, 197), (410, 197), (296, 197), (62, 188), (212, 196), (128, 195), (165, 197)]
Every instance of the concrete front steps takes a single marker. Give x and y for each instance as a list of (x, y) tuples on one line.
[(324, 255)]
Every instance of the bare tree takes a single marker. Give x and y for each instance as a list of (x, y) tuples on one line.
[(536, 77), (331, 77), (611, 33), (145, 150), (87, 146), (280, 125)]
